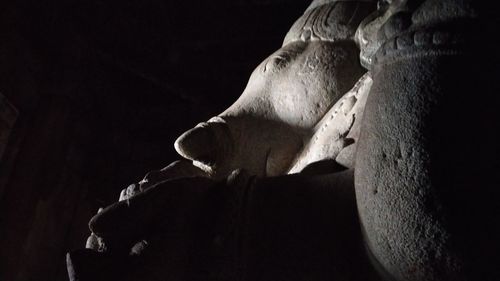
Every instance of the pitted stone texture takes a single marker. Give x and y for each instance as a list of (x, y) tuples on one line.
[(336, 135), (426, 163), (395, 196), (286, 96), (417, 173), (329, 21)]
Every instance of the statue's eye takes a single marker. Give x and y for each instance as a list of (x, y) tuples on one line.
[(277, 62), (284, 56)]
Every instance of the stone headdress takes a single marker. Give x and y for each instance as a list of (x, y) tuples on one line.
[(329, 20)]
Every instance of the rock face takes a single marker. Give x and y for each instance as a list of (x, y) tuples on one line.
[(424, 189), (397, 144)]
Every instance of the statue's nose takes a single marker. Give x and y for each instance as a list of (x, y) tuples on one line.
[(209, 143)]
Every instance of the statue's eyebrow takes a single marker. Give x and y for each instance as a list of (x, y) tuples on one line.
[(285, 55), (294, 48)]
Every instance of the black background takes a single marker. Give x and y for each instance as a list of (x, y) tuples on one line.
[(103, 88)]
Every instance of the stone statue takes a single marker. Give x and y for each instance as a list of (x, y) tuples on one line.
[(286, 98), (349, 156)]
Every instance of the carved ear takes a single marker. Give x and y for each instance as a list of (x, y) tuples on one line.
[(208, 143)]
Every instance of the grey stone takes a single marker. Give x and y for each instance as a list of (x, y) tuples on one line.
[(416, 180), (287, 96), (407, 146)]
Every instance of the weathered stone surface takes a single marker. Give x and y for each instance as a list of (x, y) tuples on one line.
[(336, 135), (424, 183), (424, 189), (286, 97)]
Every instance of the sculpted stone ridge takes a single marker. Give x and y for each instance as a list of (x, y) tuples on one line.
[(286, 96), (322, 170), (336, 134), (328, 21)]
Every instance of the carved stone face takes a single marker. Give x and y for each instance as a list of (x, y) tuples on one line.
[(297, 84), (286, 96)]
